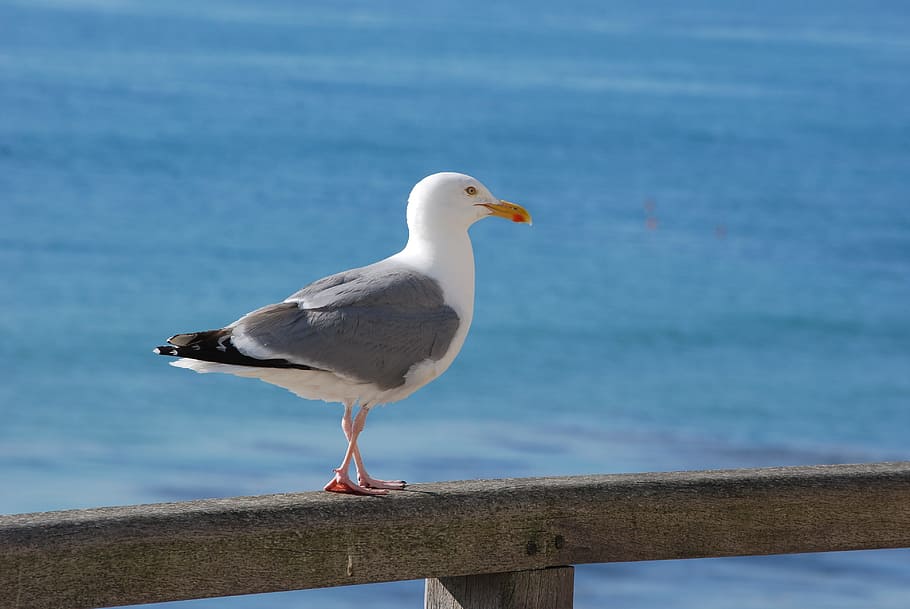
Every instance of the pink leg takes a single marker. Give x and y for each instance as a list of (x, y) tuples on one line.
[(342, 482), (363, 477)]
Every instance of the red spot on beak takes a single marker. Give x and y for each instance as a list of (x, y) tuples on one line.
[(517, 218)]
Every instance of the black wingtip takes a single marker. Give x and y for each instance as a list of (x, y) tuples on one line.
[(216, 346)]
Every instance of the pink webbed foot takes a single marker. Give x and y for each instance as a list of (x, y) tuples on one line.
[(342, 483), (368, 482)]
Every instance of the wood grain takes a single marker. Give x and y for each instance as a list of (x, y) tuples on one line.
[(125, 555)]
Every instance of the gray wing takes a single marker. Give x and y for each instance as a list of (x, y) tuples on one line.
[(371, 324)]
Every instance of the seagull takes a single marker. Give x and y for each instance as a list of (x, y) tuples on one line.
[(370, 335)]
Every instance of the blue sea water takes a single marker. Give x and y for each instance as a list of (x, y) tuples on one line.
[(718, 274)]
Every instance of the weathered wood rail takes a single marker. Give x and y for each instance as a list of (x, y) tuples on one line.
[(455, 534)]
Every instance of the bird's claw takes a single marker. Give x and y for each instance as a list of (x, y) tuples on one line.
[(366, 481), (342, 483)]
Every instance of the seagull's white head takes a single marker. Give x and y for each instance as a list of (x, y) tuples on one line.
[(454, 201)]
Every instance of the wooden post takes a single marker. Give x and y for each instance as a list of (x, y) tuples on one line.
[(536, 589)]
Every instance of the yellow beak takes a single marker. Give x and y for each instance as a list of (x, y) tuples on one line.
[(509, 211)]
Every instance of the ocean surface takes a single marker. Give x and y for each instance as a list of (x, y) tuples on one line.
[(718, 274)]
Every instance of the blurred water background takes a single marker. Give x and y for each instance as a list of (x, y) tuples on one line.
[(718, 274)]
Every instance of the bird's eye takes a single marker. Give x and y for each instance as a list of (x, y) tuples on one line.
[(471, 190)]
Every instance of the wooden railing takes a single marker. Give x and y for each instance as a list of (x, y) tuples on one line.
[(480, 543)]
